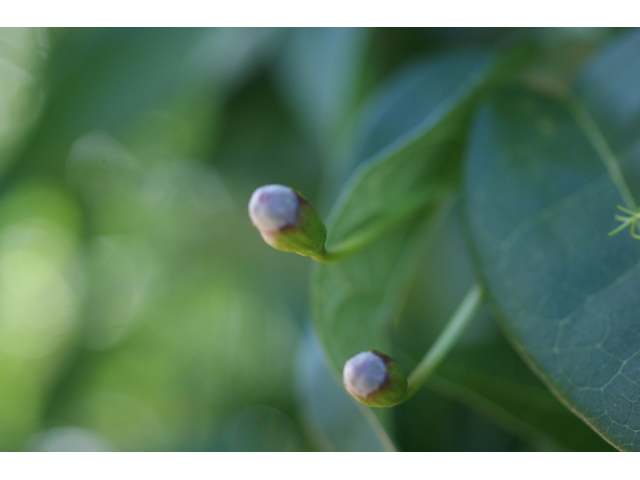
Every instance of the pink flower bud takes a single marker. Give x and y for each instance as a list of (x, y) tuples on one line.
[(273, 207), (286, 220), (375, 379)]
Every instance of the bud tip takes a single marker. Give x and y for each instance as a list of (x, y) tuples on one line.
[(287, 221), (273, 207), (375, 379), (364, 374)]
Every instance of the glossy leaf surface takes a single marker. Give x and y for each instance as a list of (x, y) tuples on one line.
[(542, 182)]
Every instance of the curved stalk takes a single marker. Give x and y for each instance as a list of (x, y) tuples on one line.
[(367, 235), (454, 329)]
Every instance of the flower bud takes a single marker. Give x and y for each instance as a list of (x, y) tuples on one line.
[(287, 221), (375, 379)]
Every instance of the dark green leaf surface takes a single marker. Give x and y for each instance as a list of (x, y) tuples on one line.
[(609, 89), (482, 372), (542, 182), (490, 378), (355, 300)]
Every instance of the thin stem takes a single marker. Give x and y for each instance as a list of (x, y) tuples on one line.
[(365, 236), (624, 225), (626, 210), (356, 242), (591, 129), (626, 221), (456, 326), (333, 255)]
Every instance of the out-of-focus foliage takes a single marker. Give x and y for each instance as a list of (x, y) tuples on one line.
[(140, 310)]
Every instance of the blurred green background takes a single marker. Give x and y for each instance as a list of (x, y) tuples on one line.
[(139, 309)]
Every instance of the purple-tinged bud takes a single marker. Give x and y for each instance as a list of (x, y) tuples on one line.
[(287, 221), (375, 379)]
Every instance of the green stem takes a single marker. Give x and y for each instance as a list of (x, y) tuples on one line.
[(447, 339), (329, 256), (625, 224), (358, 241), (626, 221), (611, 162)]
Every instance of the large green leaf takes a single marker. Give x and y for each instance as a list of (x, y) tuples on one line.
[(542, 182), (482, 372), (355, 300), (490, 378)]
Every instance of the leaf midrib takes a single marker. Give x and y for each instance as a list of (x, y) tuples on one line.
[(599, 142), (434, 118)]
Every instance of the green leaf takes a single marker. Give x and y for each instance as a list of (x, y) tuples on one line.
[(543, 178), (416, 98), (355, 300), (490, 378), (608, 88), (483, 372)]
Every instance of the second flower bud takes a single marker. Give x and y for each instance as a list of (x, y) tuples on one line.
[(375, 379)]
